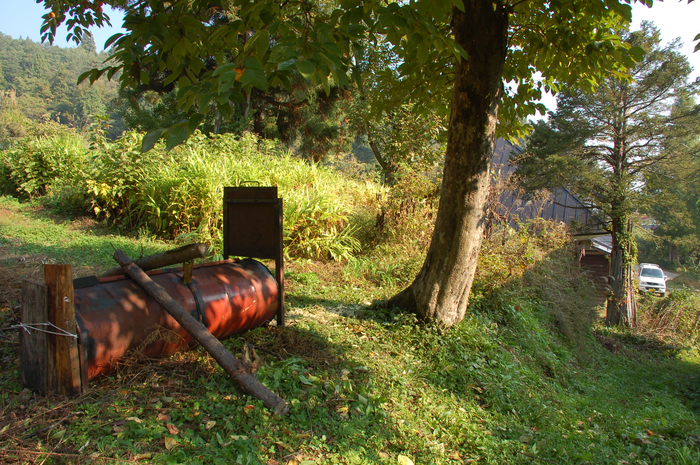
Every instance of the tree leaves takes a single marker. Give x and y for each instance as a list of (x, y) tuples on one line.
[(170, 443), (150, 140), (306, 68), (262, 43), (254, 75)]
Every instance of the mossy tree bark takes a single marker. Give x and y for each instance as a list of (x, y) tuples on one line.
[(441, 289)]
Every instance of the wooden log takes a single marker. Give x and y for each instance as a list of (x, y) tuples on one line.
[(64, 377), (237, 370), (33, 349), (159, 260)]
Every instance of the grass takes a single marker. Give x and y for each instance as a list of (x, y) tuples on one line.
[(31, 234), (521, 380), (685, 280)]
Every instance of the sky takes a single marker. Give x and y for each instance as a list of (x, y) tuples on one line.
[(23, 18)]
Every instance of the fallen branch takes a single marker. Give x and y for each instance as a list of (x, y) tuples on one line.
[(159, 260), (87, 458), (262, 349), (237, 370)]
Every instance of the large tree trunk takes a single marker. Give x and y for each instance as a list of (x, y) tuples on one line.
[(441, 289)]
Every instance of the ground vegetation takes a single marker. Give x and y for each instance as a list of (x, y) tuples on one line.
[(264, 43), (524, 377)]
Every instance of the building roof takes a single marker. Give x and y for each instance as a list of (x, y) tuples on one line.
[(561, 206), (602, 243)]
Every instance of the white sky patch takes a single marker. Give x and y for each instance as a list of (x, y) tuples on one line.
[(23, 18)]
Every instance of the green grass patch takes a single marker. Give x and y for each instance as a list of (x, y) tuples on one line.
[(29, 232), (523, 379)]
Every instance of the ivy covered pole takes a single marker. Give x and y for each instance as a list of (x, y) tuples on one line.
[(621, 306)]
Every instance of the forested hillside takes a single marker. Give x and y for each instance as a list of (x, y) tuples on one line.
[(42, 79)]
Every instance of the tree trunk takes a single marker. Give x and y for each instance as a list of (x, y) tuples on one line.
[(620, 307), (388, 167), (441, 289)]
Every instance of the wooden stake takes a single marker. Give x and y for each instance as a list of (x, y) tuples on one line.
[(33, 344), (187, 269), (63, 358), (238, 371)]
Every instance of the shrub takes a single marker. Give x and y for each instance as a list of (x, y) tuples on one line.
[(168, 194), (407, 216), (537, 263), (180, 192), (35, 162), (114, 183), (675, 317)]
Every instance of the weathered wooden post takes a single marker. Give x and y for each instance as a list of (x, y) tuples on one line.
[(33, 344), (64, 361), (50, 355)]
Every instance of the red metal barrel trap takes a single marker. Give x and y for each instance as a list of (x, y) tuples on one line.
[(116, 316)]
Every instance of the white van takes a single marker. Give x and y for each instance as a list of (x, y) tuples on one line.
[(652, 278)]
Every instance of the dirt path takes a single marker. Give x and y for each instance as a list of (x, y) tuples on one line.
[(671, 274)]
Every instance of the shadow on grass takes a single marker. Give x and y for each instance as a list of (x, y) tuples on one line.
[(547, 371), (324, 384), (528, 358)]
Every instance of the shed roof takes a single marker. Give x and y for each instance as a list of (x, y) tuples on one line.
[(562, 205)]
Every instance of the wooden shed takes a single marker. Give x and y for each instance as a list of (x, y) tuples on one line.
[(593, 246)]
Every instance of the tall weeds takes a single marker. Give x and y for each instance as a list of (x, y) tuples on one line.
[(114, 184), (169, 194), (674, 318), (34, 162)]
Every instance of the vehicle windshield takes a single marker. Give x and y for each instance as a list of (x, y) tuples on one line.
[(652, 273)]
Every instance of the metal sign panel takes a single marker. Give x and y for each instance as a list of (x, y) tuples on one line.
[(250, 222), (253, 229)]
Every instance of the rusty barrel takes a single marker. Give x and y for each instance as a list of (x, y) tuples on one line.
[(116, 316)]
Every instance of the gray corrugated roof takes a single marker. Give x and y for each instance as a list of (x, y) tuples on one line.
[(564, 206), (602, 243)]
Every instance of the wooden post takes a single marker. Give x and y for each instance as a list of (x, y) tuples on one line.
[(33, 348), (64, 377), (237, 370), (279, 262), (187, 269)]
